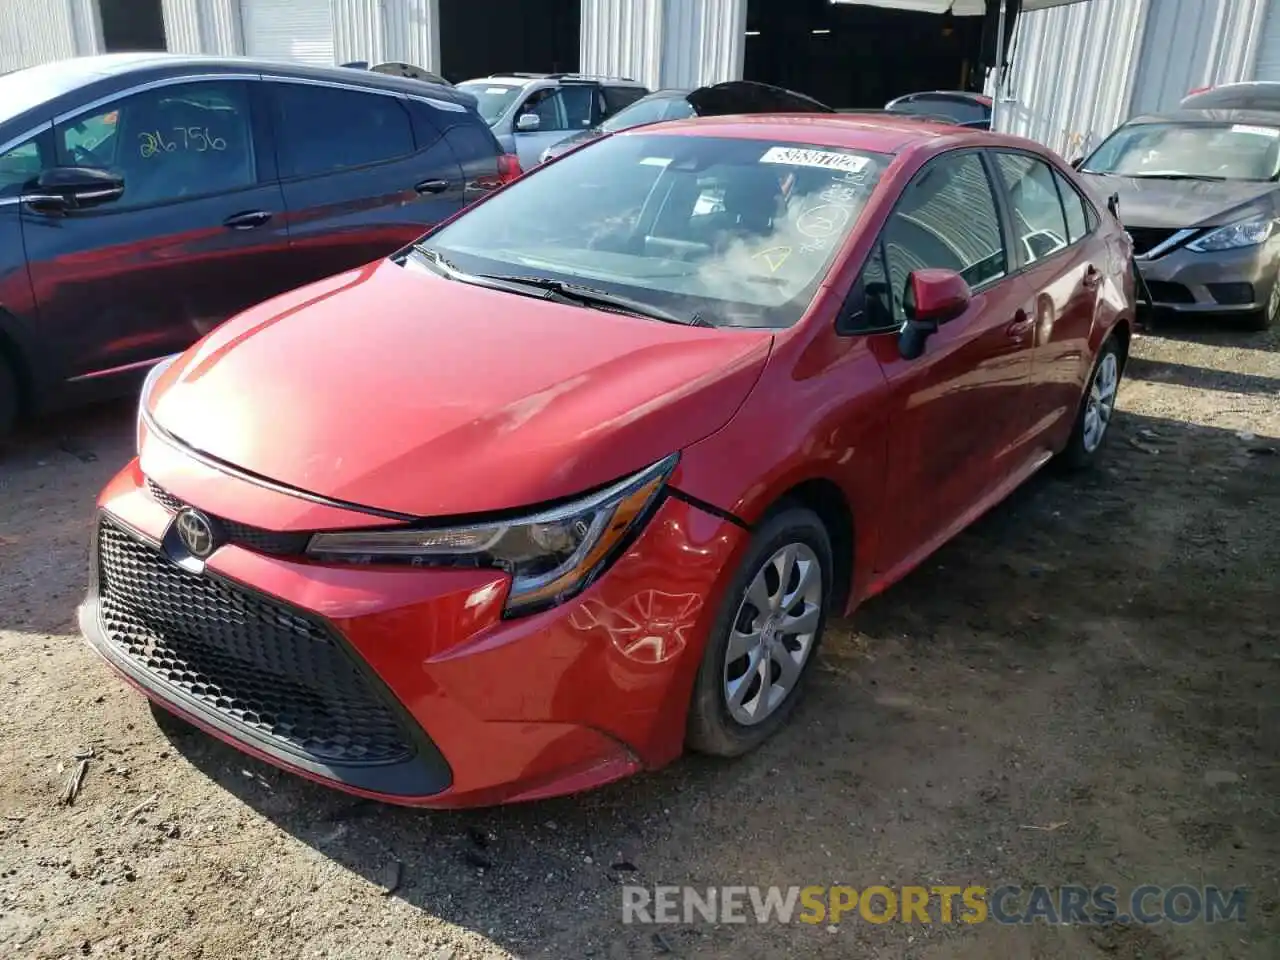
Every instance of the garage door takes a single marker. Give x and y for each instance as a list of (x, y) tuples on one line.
[(1269, 46), (297, 30)]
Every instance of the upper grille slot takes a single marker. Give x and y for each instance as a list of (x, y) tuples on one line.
[(277, 543)]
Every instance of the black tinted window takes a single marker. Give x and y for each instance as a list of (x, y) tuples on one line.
[(185, 140), (615, 98), (321, 129), (1075, 208), (472, 141), (945, 218), (1038, 220)]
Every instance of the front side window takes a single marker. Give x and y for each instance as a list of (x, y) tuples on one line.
[(946, 218), (1038, 220), (323, 130), (649, 111), (168, 144), (19, 166), (1191, 151), (563, 109), (739, 232)]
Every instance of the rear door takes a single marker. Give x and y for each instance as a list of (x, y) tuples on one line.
[(362, 174), (198, 235), (957, 411), (1061, 258)]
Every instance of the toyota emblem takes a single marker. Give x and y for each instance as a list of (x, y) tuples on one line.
[(196, 533)]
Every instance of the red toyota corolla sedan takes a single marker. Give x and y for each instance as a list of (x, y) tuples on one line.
[(577, 479)]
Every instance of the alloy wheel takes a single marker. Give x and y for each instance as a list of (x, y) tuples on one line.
[(1102, 401), (773, 633)]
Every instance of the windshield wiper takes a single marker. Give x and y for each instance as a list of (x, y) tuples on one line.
[(592, 297), (1175, 176), (447, 268)]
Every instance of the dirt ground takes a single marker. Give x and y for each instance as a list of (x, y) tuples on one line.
[(1084, 688)]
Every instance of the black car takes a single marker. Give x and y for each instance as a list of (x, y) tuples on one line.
[(145, 198), (963, 108), (721, 99)]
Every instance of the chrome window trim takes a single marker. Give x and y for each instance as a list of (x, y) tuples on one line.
[(1161, 249), (19, 140), (150, 85)]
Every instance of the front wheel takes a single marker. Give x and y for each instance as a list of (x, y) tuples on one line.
[(1269, 315), (1097, 408), (764, 640)]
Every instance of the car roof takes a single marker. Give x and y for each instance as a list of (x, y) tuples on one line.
[(42, 92), (529, 79), (1186, 115), (878, 133)]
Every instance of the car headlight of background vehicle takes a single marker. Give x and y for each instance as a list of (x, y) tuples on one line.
[(145, 394), (550, 555), (1246, 233)]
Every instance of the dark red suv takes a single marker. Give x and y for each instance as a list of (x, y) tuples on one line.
[(145, 198)]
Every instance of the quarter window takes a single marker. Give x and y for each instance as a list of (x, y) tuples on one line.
[(946, 218), (1038, 220), (1074, 206), (323, 130), (168, 144)]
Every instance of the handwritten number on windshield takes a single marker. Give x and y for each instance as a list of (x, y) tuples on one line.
[(195, 139)]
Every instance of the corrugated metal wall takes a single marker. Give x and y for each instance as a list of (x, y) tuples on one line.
[(1195, 43), (703, 42), (203, 26), (36, 31), (1072, 73), (623, 38), (411, 32)]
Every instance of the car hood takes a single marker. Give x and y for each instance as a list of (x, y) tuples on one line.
[(1147, 202), (568, 143), (394, 388)]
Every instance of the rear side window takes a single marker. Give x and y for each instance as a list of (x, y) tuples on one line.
[(472, 141), (1038, 220), (322, 130), (1075, 208), (615, 98)]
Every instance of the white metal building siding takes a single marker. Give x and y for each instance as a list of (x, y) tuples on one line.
[(1195, 43), (295, 30), (703, 42), (1267, 66), (622, 38), (1072, 71), (203, 26), (37, 31), (410, 32)]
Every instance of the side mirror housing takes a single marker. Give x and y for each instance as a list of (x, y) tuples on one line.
[(932, 297), (1077, 163), (73, 188), (528, 122)]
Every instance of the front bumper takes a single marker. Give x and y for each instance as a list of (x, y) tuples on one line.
[(407, 685), (1227, 281)]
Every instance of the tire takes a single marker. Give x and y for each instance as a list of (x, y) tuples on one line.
[(1084, 445), (8, 399), (170, 724), (1269, 315), (716, 726)]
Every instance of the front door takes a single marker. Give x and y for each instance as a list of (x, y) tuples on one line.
[(956, 412), (364, 173), (192, 241), (561, 112)]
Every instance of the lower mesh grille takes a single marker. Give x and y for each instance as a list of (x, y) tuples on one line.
[(252, 660)]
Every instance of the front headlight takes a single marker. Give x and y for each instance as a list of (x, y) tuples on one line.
[(1246, 233), (550, 555), (145, 394)]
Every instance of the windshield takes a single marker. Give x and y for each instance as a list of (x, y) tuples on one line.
[(734, 232), (1212, 151), (492, 99), (648, 111)]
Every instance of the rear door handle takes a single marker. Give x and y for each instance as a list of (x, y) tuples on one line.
[(1092, 277), (1018, 329), (247, 220), (431, 186)]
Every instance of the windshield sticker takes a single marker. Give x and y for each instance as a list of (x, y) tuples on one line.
[(656, 161), (825, 159), (497, 90), (1269, 132)]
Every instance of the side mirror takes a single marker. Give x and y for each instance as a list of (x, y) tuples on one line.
[(528, 122), (932, 297), (1077, 163), (73, 188)]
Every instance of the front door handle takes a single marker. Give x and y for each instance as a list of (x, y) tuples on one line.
[(1092, 277), (247, 220), (1017, 330), (431, 186)]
